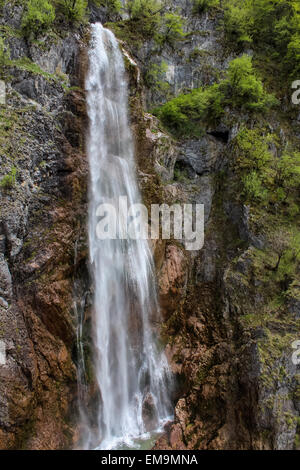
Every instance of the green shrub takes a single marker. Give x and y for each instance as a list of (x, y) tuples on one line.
[(266, 24), (75, 11), (266, 177), (170, 30), (113, 6), (140, 9), (151, 18), (287, 171), (253, 187), (155, 77), (252, 150), (145, 17), (243, 89), (268, 16), (4, 55), (8, 181), (38, 17), (201, 6), (292, 58), (238, 22), (189, 113)]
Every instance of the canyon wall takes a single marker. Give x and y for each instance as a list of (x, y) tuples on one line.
[(228, 340)]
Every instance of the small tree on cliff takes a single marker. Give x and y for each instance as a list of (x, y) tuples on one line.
[(74, 11), (38, 17)]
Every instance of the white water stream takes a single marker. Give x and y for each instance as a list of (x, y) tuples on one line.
[(131, 370)]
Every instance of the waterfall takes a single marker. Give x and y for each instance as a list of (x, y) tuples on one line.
[(131, 369)]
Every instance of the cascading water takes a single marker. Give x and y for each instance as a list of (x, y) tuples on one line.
[(131, 371)]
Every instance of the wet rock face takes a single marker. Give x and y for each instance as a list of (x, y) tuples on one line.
[(172, 279), (235, 389), (149, 413), (203, 155), (231, 393), (42, 220)]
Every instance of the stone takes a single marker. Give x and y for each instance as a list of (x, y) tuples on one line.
[(172, 279), (149, 413), (202, 155)]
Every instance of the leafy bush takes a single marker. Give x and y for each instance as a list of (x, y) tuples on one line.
[(145, 16), (113, 6), (292, 58), (265, 176), (74, 11), (287, 171), (155, 77), (139, 9), (272, 24), (240, 89), (9, 180), (243, 89), (185, 114), (152, 19), (39, 17), (253, 187), (170, 30), (4, 54), (200, 6), (238, 22), (252, 150)]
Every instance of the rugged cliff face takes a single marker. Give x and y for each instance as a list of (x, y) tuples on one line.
[(229, 317), (42, 224), (229, 336)]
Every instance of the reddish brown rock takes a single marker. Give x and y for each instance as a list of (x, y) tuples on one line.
[(172, 279)]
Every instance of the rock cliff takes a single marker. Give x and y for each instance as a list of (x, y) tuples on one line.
[(229, 317)]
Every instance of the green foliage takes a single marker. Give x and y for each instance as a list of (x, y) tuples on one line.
[(149, 19), (186, 114), (38, 17), (113, 6), (252, 161), (171, 29), (271, 24), (145, 16), (292, 58), (200, 6), (155, 77), (286, 245), (8, 181), (253, 187), (252, 149), (238, 22), (241, 89), (266, 177), (139, 9), (4, 56), (287, 171), (75, 11), (244, 89)]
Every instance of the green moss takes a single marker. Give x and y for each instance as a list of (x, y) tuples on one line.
[(9, 180)]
